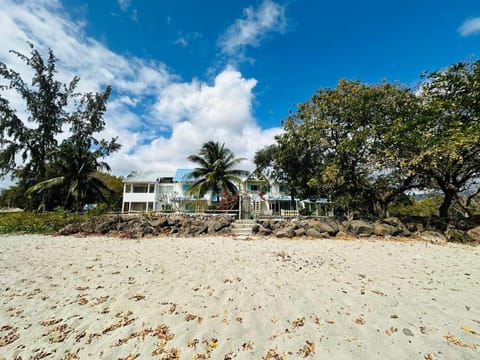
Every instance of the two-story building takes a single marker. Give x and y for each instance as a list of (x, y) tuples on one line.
[(167, 191), (147, 191)]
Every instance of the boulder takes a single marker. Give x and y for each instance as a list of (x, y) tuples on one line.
[(322, 227), (433, 237), (264, 231), (360, 228), (314, 233), (457, 235), (202, 228), (215, 226), (385, 230), (299, 232), (160, 222), (287, 232), (474, 233), (397, 224)]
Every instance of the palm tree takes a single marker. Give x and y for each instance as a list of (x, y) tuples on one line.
[(216, 172), (78, 177)]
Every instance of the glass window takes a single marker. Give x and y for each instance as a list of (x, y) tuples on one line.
[(166, 189), (139, 188), (151, 188), (128, 188)]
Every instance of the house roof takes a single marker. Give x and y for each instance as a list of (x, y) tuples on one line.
[(148, 176), (183, 175)]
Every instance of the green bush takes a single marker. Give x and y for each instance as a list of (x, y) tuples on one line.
[(425, 207), (35, 223)]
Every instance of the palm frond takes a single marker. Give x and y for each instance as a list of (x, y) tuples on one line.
[(46, 184)]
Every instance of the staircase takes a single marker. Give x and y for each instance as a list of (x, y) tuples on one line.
[(243, 228)]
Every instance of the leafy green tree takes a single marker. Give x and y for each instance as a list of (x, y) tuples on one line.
[(78, 158), (349, 144), (33, 138), (450, 155), (216, 171), (30, 151)]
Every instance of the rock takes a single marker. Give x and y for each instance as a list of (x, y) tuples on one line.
[(215, 226), (400, 228), (159, 223), (456, 235), (314, 233), (147, 230), (299, 232), (385, 229), (264, 231), (201, 229), (287, 232), (360, 228), (393, 221), (433, 237), (341, 235), (474, 234), (322, 227)]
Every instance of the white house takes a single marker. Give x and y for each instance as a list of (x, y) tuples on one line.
[(147, 191), (162, 191)]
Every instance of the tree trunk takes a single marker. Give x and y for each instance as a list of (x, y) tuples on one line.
[(381, 209), (448, 198)]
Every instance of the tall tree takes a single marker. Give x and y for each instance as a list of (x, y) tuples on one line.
[(32, 138), (29, 149), (78, 158), (450, 156), (216, 170), (348, 144)]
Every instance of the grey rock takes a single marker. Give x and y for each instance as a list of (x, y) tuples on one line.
[(314, 233), (456, 235), (360, 228), (385, 229), (474, 233), (433, 237), (287, 232), (299, 232)]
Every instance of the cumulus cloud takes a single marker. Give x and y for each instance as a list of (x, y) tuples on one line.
[(124, 4), (470, 27), (159, 118), (253, 27), (196, 112)]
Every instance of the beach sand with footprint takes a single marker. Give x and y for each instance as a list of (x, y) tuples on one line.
[(220, 298)]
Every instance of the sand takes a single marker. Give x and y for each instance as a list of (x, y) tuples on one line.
[(221, 298)]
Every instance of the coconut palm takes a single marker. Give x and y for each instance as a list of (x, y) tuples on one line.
[(216, 172), (78, 180)]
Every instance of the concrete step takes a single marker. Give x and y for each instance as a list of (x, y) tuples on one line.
[(243, 227)]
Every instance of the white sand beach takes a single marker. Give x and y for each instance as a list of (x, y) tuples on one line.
[(220, 298)]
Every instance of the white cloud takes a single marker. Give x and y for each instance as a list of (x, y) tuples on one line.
[(470, 27), (185, 40), (253, 27), (197, 112), (159, 119), (124, 4)]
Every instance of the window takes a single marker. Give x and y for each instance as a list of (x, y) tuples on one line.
[(139, 188), (185, 187), (165, 189), (151, 188), (254, 188), (128, 188)]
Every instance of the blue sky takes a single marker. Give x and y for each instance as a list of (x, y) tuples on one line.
[(187, 71)]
